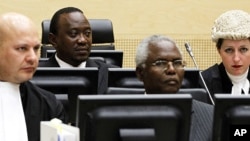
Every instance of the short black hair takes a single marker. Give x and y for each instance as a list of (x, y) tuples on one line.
[(55, 18)]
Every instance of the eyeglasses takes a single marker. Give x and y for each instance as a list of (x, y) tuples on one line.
[(164, 64)]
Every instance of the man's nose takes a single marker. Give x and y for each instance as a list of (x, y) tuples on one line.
[(169, 69), (82, 38)]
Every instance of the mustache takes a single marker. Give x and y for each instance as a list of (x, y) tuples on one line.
[(82, 47)]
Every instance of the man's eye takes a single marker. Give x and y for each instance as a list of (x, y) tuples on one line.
[(21, 48), (87, 34), (178, 63), (37, 48), (73, 34), (160, 63)]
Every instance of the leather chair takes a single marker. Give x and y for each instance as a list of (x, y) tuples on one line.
[(125, 81), (102, 35), (126, 77), (102, 42), (64, 100)]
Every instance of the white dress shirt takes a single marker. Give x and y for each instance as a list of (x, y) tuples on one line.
[(12, 120), (240, 83), (63, 64)]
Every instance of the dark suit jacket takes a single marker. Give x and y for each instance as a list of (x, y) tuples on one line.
[(39, 105), (217, 80), (102, 66), (202, 121)]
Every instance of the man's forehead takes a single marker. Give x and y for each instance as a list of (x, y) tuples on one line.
[(14, 21), (14, 18), (14, 24), (165, 46)]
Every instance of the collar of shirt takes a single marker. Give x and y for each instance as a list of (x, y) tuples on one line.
[(241, 82), (63, 64)]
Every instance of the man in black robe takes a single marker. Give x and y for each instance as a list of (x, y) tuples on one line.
[(29, 104)]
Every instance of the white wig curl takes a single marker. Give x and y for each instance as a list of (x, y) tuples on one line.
[(233, 24)]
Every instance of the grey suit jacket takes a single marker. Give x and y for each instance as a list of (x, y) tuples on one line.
[(202, 121)]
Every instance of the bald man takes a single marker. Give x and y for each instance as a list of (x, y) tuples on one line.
[(22, 104)]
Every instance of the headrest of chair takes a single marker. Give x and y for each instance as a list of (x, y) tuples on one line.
[(45, 31), (102, 31)]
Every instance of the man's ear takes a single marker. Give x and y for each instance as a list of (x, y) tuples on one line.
[(139, 73), (52, 39)]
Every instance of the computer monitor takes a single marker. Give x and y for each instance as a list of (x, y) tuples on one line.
[(122, 90), (191, 78), (126, 78), (123, 77), (44, 60), (199, 94), (44, 48), (69, 81), (231, 112), (134, 118), (114, 57)]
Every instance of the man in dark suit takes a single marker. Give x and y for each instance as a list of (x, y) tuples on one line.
[(160, 66), (71, 36)]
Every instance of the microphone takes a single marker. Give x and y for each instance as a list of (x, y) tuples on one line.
[(189, 50)]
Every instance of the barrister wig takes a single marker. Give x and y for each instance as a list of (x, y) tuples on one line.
[(233, 24)]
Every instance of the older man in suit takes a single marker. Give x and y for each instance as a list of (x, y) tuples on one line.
[(160, 66)]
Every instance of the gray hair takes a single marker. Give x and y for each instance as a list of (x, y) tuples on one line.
[(143, 48), (233, 24)]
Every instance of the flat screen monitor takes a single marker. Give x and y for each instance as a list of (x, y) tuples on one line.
[(199, 94), (191, 78), (69, 81), (114, 57), (44, 60), (126, 78), (155, 117), (231, 112), (122, 90), (123, 77)]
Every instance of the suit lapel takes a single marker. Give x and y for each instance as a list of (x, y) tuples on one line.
[(102, 75)]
